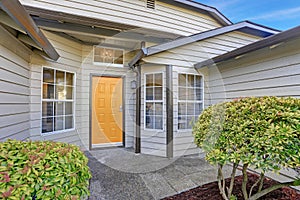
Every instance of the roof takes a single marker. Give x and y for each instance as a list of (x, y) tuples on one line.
[(193, 5), (246, 27), (18, 13), (271, 41)]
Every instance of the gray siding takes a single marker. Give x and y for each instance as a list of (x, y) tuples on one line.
[(88, 68), (190, 54), (70, 60), (267, 72), (165, 17), (14, 89)]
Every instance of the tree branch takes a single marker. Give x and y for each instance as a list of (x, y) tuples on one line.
[(260, 180), (270, 189), (235, 165), (245, 180), (221, 186)]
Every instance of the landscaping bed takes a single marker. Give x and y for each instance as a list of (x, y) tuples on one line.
[(211, 191)]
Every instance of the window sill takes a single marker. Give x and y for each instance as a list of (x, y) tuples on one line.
[(108, 64), (57, 132)]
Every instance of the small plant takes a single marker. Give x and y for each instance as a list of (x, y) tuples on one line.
[(42, 170), (262, 132)]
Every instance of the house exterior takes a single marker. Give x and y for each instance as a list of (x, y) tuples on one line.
[(132, 73)]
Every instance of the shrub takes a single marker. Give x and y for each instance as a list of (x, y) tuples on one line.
[(260, 132), (42, 170)]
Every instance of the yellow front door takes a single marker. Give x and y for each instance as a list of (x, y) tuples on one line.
[(106, 110)]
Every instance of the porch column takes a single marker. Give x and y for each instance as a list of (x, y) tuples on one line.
[(169, 107), (138, 112)]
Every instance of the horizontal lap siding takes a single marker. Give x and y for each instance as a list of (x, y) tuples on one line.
[(190, 54), (134, 12), (153, 142), (70, 60), (264, 73), (183, 139), (14, 93), (88, 68)]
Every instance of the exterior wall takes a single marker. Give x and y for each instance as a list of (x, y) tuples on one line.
[(14, 88), (88, 68), (266, 72), (183, 139), (70, 60), (134, 12), (190, 54), (153, 142)]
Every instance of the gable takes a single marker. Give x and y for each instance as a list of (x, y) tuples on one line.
[(190, 54), (165, 17)]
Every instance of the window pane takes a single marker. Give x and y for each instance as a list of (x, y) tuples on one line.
[(181, 108), (190, 81), (149, 93), (158, 109), (59, 108), (69, 122), (47, 109), (48, 75), (108, 60), (69, 94), (198, 109), (149, 80), (190, 109), (68, 108), (59, 123), (158, 123), (182, 93), (48, 91), (60, 93), (198, 81), (118, 60), (190, 122), (158, 93), (47, 124), (60, 77), (150, 121), (149, 108), (181, 122), (191, 94), (158, 79), (182, 80), (69, 78), (198, 94)]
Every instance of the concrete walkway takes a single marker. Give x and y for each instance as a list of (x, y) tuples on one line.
[(121, 174)]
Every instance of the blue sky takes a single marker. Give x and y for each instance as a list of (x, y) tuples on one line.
[(278, 14)]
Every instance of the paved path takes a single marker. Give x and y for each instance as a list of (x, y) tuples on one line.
[(119, 174)]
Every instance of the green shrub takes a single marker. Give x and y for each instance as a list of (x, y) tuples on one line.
[(42, 170), (263, 133)]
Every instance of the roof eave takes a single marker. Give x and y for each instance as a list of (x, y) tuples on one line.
[(269, 41), (18, 13)]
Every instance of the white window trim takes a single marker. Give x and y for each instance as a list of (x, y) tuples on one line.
[(108, 64), (178, 101), (155, 101), (53, 100)]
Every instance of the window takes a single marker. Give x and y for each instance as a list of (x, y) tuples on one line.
[(154, 101), (190, 99), (57, 101), (108, 55)]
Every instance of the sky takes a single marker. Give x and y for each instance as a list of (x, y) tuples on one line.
[(278, 14)]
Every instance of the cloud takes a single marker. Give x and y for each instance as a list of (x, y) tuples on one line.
[(278, 14)]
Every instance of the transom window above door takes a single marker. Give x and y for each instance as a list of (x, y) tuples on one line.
[(108, 55), (190, 99), (154, 101), (57, 100)]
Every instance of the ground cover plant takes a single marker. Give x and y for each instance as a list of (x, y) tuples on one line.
[(261, 132), (42, 170)]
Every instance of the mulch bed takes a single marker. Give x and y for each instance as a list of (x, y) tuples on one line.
[(210, 191)]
